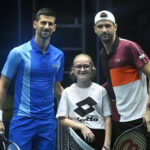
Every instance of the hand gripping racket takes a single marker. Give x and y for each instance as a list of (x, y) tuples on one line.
[(8, 145), (132, 139), (76, 143)]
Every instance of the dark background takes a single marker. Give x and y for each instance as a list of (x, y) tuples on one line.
[(132, 17), (74, 34)]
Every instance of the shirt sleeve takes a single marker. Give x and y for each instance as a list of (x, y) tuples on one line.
[(63, 108), (138, 57), (11, 64)]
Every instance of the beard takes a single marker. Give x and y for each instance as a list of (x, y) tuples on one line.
[(106, 37), (44, 34)]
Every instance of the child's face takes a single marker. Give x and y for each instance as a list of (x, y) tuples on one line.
[(82, 69)]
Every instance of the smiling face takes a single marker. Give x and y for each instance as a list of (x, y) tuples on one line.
[(44, 27), (83, 69)]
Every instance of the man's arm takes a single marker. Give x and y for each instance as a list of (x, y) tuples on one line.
[(58, 89), (146, 70), (4, 84)]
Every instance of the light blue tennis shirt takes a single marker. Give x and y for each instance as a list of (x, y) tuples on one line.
[(35, 74)]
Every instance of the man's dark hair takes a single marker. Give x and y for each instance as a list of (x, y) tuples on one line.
[(45, 12)]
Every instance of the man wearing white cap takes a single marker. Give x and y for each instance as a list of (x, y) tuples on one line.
[(125, 67)]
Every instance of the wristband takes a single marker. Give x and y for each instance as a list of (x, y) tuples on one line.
[(1, 115), (105, 147)]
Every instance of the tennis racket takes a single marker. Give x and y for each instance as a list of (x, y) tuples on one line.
[(8, 145), (76, 143), (132, 139)]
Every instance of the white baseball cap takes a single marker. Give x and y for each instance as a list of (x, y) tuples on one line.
[(104, 15)]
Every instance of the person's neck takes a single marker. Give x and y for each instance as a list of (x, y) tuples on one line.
[(43, 44), (108, 45), (84, 84)]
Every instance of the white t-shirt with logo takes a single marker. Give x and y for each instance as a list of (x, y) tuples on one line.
[(87, 105)]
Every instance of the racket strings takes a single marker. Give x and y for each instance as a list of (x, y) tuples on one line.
[(7, 145), (133, 140), (73, 145)]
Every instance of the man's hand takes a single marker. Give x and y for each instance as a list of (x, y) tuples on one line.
[(147, 119), (2, 128)]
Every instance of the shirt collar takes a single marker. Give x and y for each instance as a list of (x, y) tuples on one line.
[(114, 47), (36, 48)]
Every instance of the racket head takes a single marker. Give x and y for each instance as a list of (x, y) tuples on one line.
[(76, 143), (132, 139), (12, 146), (8, 145)]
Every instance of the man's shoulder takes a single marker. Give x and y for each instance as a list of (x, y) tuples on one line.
[(126, 41), (22, 47)]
